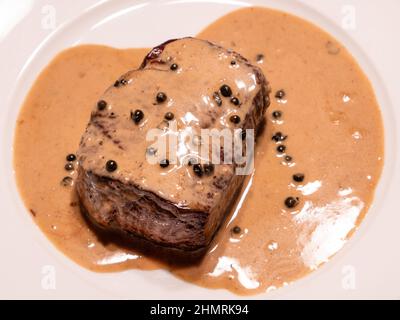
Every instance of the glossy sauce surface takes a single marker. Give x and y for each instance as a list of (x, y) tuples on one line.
[(334, 137)]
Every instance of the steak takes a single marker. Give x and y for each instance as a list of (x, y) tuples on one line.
[(126, 185)]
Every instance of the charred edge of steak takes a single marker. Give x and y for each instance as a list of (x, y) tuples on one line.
[(116, 205), (156, 52), (130, 241), (159, 251)]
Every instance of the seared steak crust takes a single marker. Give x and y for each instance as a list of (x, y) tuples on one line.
[(170, 206)]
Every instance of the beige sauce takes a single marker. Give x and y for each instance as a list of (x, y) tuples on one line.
[(335, 138)]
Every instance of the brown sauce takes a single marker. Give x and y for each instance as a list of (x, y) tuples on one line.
[(335, 138)]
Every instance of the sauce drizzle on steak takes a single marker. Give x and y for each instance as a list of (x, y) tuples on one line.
[(170, 204)]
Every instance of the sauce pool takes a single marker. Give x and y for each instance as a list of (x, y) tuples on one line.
[(321, 102)]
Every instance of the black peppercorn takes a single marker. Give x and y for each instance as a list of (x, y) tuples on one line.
[(198, 170), (235, 101), (169, 116), (291, 202), (174, 66), (236, 230), (281, 148), (280, 94), (277, 114), (288, 158), (259, 57), (225, 90), (101, 105), (298, 177), (164, 163), (235, 119), (161, 97), (111, 165), (137, 116), (69, 166), (71, 157), (121, 82), (208, 168), (278, 137), (217, 99), (233, 62), (67, 182)]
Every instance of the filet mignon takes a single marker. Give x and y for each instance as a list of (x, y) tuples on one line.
[(174, 205)]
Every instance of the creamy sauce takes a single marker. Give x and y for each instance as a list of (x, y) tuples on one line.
[(335, 138)]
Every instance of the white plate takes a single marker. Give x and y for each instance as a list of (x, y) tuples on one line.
[(29, 39)]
